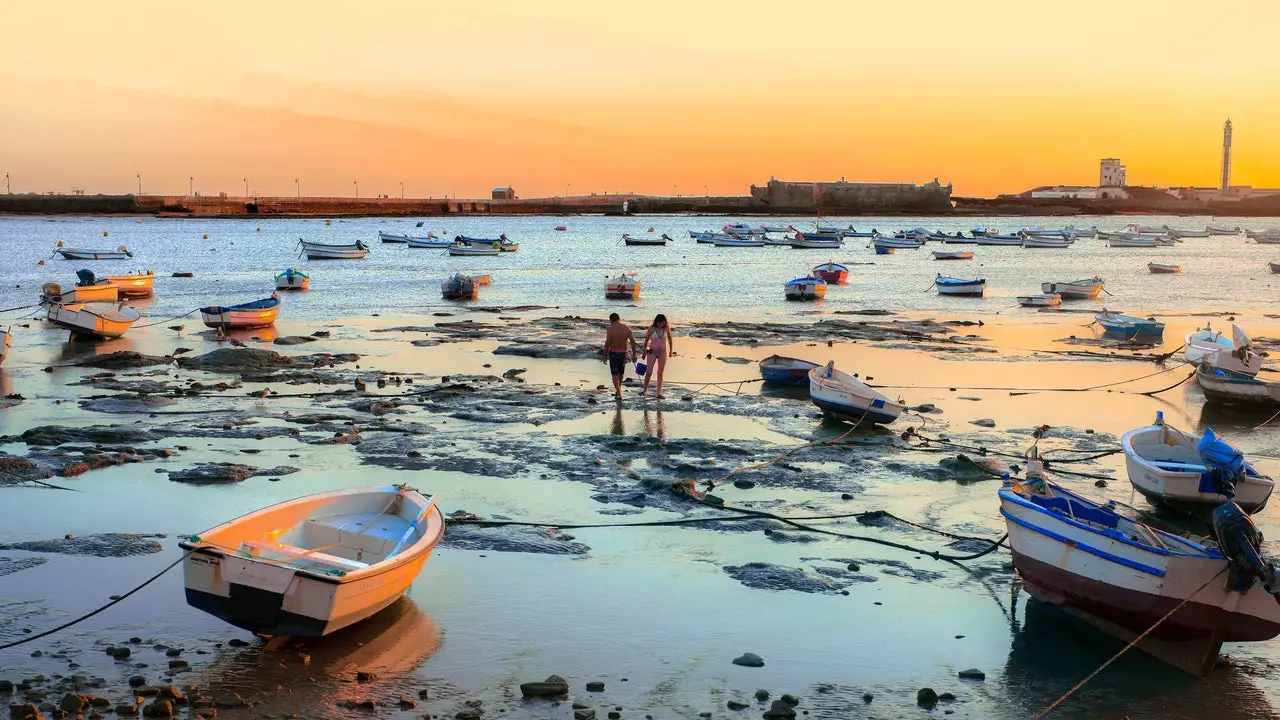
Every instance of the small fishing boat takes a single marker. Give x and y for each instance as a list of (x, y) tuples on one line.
[(816, 241), (896, 242), (1234, 353), (475, 248), (960, 239), (1040, 241), (881, 250), (1076, 289), (1266, 237), (1128, 578), (1148, 229), (560, 228), (1222, 231), (781, 370), (844, 397), (1164, 268), (1133, 241), (834, 273), (387, 237), (706, 237), (630, 240), (257, 314), (805, 288), (850, 232), (325, 251), (734, 241), (1180, 234), (623, 287), (1008, 240), (292, 279), (958, 286), (430, 243), (103, 320), (459, 287), (5, 339), (88, 289), (983, 232), (1275, 268), (311, 566), (1234, 389), (742, 230), (1128, 325), (1176, 468), (820, 229), (953, 255), (139, 284), (1040, 300), (78, 254), (776, 228), (505, 245)]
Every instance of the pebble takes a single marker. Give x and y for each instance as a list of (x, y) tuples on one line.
[(749, 660), (779, 711), (762, 695), (595, 686), (868, 697), (983, 422), (735, 705)]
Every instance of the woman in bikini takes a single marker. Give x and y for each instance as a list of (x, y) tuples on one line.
[(658, 344)]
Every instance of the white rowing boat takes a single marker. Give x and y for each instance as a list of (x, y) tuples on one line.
[(844, 397), (79, 254), (1164, 268), (623, 287), (324, 251), (1040, 300), (1074, 290), (1234, 354), (292, 279), (103, 320)]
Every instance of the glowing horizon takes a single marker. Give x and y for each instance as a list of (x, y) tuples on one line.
[(710, 97)]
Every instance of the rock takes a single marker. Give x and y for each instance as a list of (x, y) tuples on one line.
[(230, 701), (926, 697), (779, 711), (170, 692), (735, 705), (365, 677), (119, 653), (946, 697), (983, 422), (178, 665), (183, 275), (924, 407), (211, 473), (595, 686), (25, 711), (749, 660), (790, 699), (236, 360), (1100, 483), (73, 704), (53, 435), (973, 674), (584, 714), (159, 709), (553, 686), (762, 695), (468, 714), (868, 697), (173, 652), (237, 642), (734, 360), (743, 484), (126, 710), (122, 359), (293, 340), (407, 703)]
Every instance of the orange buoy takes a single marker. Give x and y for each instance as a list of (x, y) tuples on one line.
[(104, 233), (206, 236), (41, 262), (59, 243)]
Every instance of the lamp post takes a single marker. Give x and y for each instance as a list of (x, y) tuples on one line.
[(357, 184), (297, 182), (566, 189), (139, 183), (7, 191), (191, 184), (401, 189), (673, 189), (246, 186)]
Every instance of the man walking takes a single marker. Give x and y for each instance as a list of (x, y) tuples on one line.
[(619, 347)]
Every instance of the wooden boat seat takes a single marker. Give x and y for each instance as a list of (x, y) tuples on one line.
[(367, 534), (299, 557)]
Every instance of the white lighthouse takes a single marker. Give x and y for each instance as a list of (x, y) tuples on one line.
[(1226, 157)]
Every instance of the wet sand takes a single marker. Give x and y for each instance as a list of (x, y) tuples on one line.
[(656, 613)]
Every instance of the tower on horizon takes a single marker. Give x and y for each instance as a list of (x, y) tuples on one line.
[(1226, 157)]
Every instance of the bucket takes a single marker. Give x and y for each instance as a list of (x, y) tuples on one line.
[(640, 368)]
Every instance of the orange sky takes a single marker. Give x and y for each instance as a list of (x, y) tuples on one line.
[(448, 98)]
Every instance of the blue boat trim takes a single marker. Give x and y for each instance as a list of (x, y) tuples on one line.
[(264, 304), (1082, 546), (854, 411)]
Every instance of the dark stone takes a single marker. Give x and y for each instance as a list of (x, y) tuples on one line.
[(973, 674), (983, 422), (735, 705), (743, 484), (595, 686), (926, 697), (790, 699), (73, 704), (122, 359), (553, 686), (236, 360), (868, 697), (237, 642), (749, 660), (212, 473), (159, 708), (293, 340), (946, 697), (762, 695), (24, 711), (365, 677), (779, 711)]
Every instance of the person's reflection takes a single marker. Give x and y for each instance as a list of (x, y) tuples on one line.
[(655, 427), (618, 428)]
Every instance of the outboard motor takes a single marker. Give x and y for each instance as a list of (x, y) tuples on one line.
[(1241, 542), (86, 278)]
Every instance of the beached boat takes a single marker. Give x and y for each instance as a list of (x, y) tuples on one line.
[(742, 230), (1033, 242), (465, 249), (832, 272), (1007, 240), (781, 370), (960, 239), (80, 254), (256, 314), (1040, 300), (734, 241), (387, 237), (1234, 389), (776, 228), (104, 320), (821, 229), (325, 251), (630, 240), (1266, 237), (705, 236), (506, 245), (459, 287), (1176, 468), (1128, 578), (292, 279), (5, 340), (1128, 325), (1148, 229), (959, 286), (1133, 241), (805, 288), (896, 242), (851, 232), (1222, 231), (815, 241), (1180, 234), (431, 243), (983, 232), (844, 397), (88, 288), (1076, 289), (1233, 353), (1275, 268), (311, 566), (1164, 268), (139, 284), (623, 287), (953, 255)]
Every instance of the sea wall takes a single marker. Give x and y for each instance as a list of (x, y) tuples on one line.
[(32, 203)]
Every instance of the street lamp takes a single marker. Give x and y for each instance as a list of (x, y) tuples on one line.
[(139, 183), (357, 184), (7, 191), (566, 189), (246, 186), (298, 184), (401, 189), (673, 189), (191, 184)]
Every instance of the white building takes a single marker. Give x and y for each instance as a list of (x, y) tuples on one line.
[(1113, 173)]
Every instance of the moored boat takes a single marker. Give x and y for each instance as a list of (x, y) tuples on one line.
[(896, 242), (292, 279), (326, 251), (1130, 579), (805, 288), (255, 314), (311, 566), (1265, 237), (505, 245), (1179, 234), (953, 255), (1164, 268), (735, 241), (1222, 231), (466, 249), (1040, 300), (1040, 241), (1076, 289), (1176, 468), (139, 284), (80, 254), (1275, 268), (1234, 353), (387, 237), (844, 397), (428, 243), (631, 240), (1128, 325), (959, 286), (104, 320), (998, 240), (832, 272), (816, 241), (782, 370), (623, 287), (459, 287), (1133, 241), (88, 288), (1234, 389), (5, 340)]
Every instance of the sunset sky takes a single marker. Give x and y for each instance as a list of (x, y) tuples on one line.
[(454, 98)]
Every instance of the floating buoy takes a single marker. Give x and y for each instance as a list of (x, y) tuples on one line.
[(139, 221), (104, 233), (41, 262), (257, 229), (59, 243), (206, 236), (650, 229)]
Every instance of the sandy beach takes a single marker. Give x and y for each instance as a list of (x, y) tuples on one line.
[(500, 407)]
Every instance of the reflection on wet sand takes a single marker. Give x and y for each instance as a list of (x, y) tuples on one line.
[(654, 425), (1240, 418), (1052, 651), (312, 677)]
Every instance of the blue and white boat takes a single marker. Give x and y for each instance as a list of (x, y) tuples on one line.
[(1128, 325), (781, 370), (1126, 577), (959, 286), (805, 288), (844, 397), (814, 241), (1229, 388), (983, 231), (851, 232), (734, 241), (897, 242), (387, 237), (997, 239), (429, 243)]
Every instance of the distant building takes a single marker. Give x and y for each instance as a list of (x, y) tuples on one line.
[(851, 195), (1113, 174), (504, 193), (1233, 193), (1226, 158)]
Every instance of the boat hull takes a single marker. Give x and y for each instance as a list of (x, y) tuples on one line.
[(960, 255), (622, 290), (641, 242), (831, 273), (1042, 300), (138, 285), (845, 398), (5, 341), (1238, 390), (805, 291), (965, 289), (297, 282), (1200, 347), (331, 254), (230, 319), (779, 370), (94, 320), (105, 292), (72, 254), (466, 251), (1164, 269), (1072, 290), (1165, 473)]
